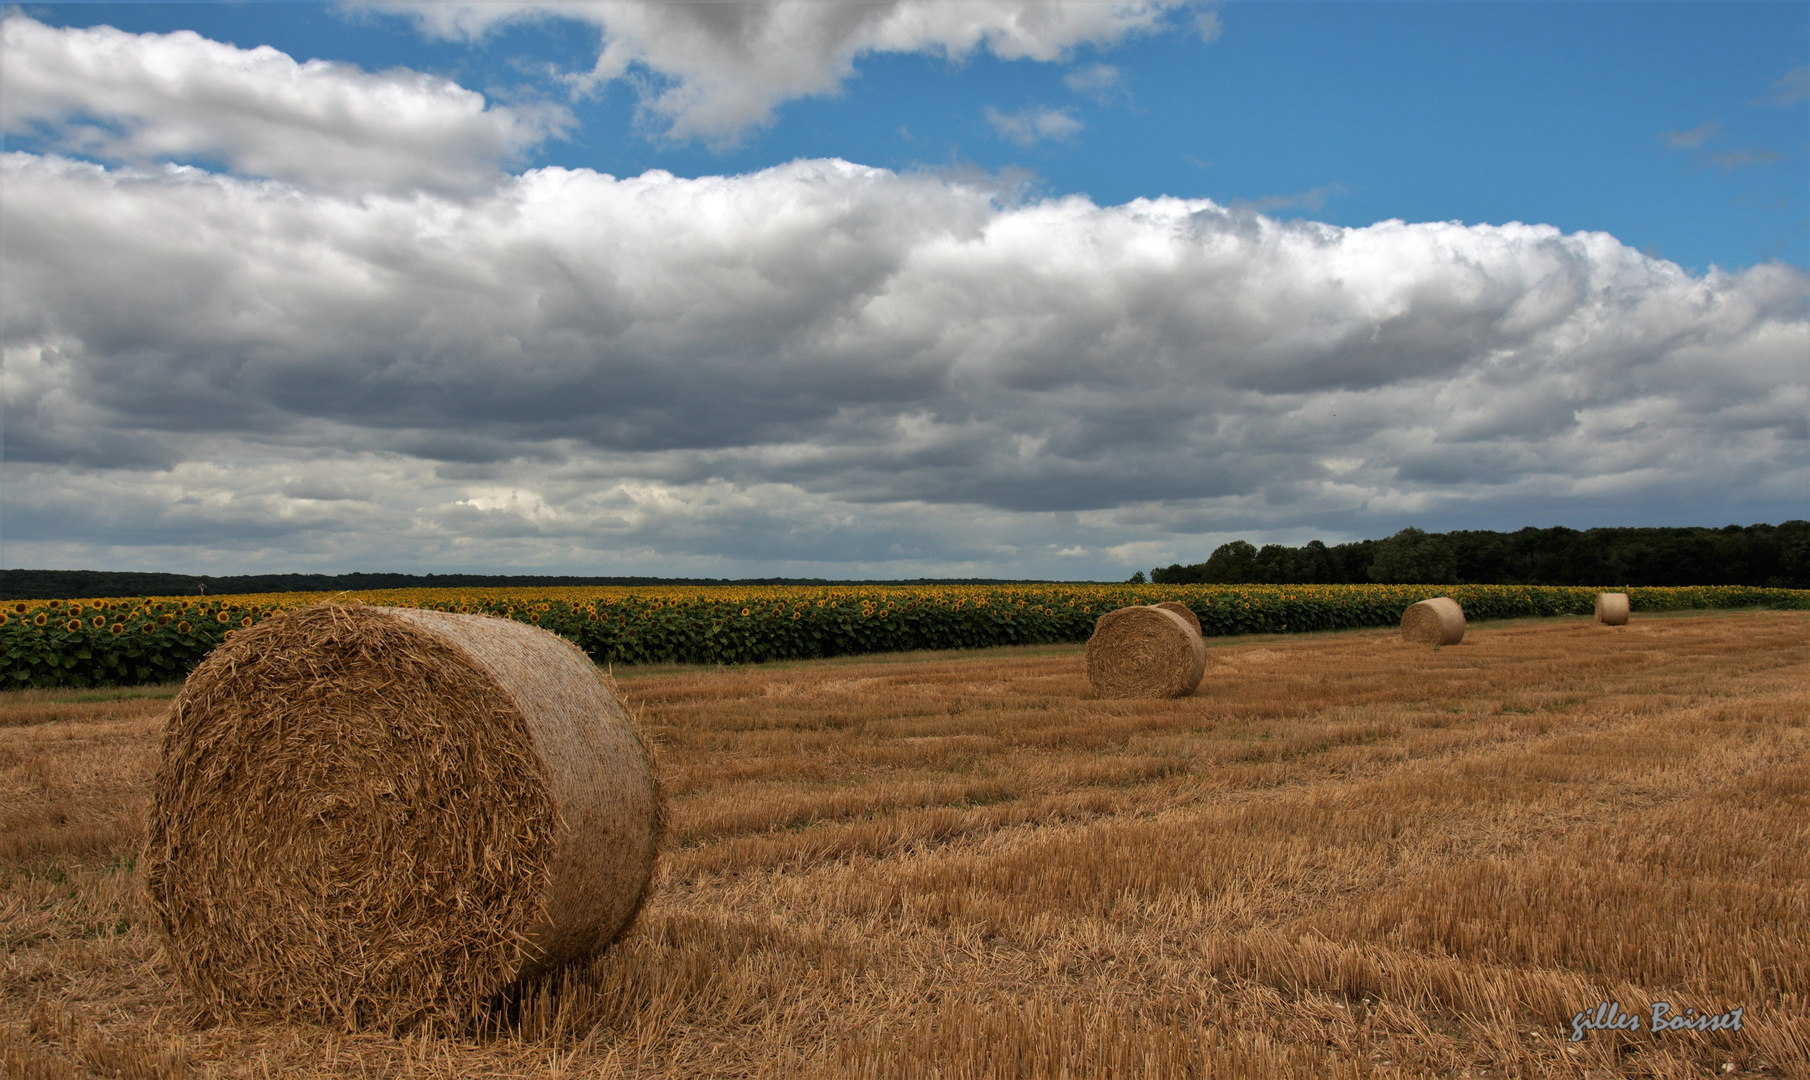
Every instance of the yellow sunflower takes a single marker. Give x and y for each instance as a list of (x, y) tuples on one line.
[(182, 627), (117, 629), (41, 619), (222, 616), (99, 621), (73, 625)]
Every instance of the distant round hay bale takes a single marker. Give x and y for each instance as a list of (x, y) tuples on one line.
[(377, 816), (1186, 612), (1612, 608), (1439, 621), (1144, 652)]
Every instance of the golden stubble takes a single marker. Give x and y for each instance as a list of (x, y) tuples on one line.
[(1344, 855)]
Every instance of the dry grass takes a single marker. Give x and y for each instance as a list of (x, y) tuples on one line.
[(1344, 856)]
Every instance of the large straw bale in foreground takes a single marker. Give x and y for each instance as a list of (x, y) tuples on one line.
[(1144, 652), (382, 815), (1612, 608), (1439, 621)]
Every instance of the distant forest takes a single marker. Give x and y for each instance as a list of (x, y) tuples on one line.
[(1775, 556), (83, 584)]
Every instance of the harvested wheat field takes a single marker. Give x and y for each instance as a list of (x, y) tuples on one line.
[(1343, 856)]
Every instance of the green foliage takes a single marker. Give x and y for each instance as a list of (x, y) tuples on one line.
[(111, 642), (1766, 556), (162, 640), (1233, 562), (1412, 557)]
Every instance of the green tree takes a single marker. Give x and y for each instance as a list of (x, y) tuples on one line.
[(1412, 557), (1177, 574), (1231, 564), (1274, 564), (1794, 556)]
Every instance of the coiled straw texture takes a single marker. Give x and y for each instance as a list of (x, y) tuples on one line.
[(1144, 652), (378, 816), (1439, 621)]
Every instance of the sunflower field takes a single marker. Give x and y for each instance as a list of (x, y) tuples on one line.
[(108, 642)]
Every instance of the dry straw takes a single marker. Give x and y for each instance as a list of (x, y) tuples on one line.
[(1144, 652), (1186, 612), (1612, 608), (378, 816), (1439, 621)]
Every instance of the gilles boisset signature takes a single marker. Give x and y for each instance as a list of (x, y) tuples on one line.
[(1608, 1016)]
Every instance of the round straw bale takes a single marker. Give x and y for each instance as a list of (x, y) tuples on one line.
[(1186, 612), (1439, 621), (1612, 608), (378, 816), (1144, 652)]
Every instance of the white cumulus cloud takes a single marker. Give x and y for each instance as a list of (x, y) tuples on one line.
[(1027, 126), (815, 368), (714, 70), (824, 363), (150, 97), (1102, 82)]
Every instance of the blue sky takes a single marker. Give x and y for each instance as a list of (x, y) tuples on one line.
[(1579, 115), (896, 289)]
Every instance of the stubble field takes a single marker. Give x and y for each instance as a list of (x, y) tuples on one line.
[(1344, 856)]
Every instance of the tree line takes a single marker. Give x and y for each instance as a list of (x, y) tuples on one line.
[(1773, 556)]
